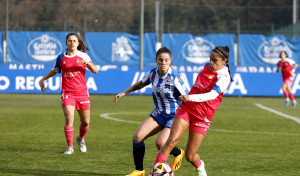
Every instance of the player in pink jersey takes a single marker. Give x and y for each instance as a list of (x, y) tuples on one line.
[(74, 93), (199, 108), (287, 67)]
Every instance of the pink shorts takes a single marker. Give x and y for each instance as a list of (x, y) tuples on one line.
[(288, 81), (81, 102), (196, 124)]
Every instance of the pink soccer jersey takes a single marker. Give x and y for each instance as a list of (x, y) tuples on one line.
[(286, 67), (73, 72), (205, 82)]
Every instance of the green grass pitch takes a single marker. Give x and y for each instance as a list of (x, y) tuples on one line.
[(243, 139)]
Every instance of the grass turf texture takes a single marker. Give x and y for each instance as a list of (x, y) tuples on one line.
[(256, 143)]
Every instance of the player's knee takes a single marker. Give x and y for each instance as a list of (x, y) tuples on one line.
[(189, 157), (85, 124), (137, 138), (172, 141), (159, 144)]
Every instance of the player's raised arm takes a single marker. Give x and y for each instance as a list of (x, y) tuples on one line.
[(137, 86)]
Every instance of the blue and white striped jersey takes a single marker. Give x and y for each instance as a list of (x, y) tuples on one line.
[(166, 89)]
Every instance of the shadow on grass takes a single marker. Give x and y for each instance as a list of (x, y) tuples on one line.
[(49, 172)]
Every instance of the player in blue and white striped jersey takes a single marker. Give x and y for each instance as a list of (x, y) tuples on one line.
[(167, 85)]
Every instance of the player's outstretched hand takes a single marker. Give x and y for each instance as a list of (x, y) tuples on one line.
[(42, 85), (183, 98), (118, 96)]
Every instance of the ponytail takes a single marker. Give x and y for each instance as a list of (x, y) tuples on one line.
[(224, 53), (82, 46)]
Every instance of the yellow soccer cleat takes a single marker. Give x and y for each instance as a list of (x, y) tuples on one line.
[(177, 161), (137, 173)]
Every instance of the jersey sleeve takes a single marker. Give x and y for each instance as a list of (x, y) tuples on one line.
[(146, 80), (87, 58), (291, 62), (57, 67), (180, 84), (222, 83)]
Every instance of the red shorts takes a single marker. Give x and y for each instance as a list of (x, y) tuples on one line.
[(81, 102), (196, 124), (288, 81)]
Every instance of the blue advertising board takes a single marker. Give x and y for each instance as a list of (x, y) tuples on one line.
[(188, 49), (35, 47), (119, 48), (112, 79), (255, 49)]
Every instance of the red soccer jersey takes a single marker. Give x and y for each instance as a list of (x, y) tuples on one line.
[(286, 67), (205, 82), (73, 72)]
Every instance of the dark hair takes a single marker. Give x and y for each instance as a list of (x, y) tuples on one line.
[(284, 53), (82, 46), (224, 53), (163, 50)]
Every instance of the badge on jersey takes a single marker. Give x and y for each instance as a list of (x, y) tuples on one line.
[(78, 60), (168, 80), (211, 76)]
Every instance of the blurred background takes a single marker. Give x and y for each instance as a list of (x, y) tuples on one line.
[(175, 16)]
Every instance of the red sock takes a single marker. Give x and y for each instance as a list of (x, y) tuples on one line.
[(286, 94), (83, 130), (69, 135), (198, 164), (292, 96), (160, 158)]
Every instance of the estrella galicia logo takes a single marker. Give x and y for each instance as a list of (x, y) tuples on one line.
[(44, 48), (269, 51), (121, 50), (197, 50)]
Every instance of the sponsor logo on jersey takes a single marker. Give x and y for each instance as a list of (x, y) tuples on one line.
[(77, 59), (197, 50), (200, 86), (165, 90), (121, 50), (44, 48), (71, 74), (269, 50)]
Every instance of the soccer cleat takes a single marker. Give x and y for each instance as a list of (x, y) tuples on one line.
[(295, 104), (137, 173), (81, 144), (69, 151), (177, 161), (201, 170), (287, 102)]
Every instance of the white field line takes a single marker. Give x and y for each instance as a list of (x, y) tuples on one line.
[(297, 120), (107, 116)]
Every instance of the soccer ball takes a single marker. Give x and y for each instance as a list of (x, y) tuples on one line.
[(162, 169)]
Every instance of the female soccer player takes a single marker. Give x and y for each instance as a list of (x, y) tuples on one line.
[(167, 86), (287, 67), (199, 108), (74, 92)]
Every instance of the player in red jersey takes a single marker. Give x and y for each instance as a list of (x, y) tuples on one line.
[(287, 67), (74, 93), (199, 108)]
